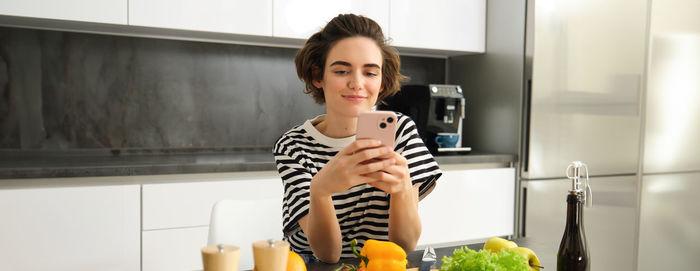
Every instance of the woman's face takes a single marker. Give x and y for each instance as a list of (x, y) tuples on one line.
[(352, 78)]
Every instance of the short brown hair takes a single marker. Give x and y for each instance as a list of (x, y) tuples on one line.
[(311, 59)]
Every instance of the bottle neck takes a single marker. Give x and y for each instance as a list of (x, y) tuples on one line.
[(574, 210)]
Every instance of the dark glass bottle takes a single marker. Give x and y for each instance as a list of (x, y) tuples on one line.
[(573, 249)]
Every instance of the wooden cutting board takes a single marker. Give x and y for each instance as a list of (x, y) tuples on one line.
[(416, 269)]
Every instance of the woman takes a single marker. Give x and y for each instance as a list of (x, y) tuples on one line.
[(337, 188)]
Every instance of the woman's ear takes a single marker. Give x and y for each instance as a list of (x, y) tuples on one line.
[(317, 83), (316, 73)]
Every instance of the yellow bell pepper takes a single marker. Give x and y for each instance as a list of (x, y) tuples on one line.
[(381, 256)]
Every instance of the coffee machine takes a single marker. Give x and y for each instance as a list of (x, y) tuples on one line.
[(435, 109)]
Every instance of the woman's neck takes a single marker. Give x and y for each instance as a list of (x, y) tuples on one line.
[(335, 126)]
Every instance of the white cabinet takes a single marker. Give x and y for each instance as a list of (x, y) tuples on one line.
[(176, 217), (228, 16), (467, 205), (301, 18), (70, 228), (99, 11), (441, 24)]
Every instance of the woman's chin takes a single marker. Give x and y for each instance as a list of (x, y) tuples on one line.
[(353, 111), (356, 112)]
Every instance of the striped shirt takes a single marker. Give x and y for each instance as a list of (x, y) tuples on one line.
[(362, 211)]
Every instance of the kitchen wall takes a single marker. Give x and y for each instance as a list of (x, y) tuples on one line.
[(492, 82), (64, 90)]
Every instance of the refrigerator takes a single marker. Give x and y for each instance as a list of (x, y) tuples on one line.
[(669, 238), (615, 84), (583, 85), (633, 117), (563, 81)]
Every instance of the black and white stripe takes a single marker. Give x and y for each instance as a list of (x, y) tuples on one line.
[(362, 211)]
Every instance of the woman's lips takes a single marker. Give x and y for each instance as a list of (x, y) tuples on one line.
[(354, 98)]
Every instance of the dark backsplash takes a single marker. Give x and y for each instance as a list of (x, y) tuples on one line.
[(73, 91)]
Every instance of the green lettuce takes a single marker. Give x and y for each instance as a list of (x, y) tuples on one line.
[(465, 259)]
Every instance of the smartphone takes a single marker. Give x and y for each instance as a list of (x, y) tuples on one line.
[(379, 125)]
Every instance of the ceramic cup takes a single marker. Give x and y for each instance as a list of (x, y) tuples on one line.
[(270, 255), (221, 258), (447, 140)]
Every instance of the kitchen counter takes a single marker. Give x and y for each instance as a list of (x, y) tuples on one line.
[(86, 163), (546, 253)]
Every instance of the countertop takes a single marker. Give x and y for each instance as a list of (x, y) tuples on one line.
[(86, 163), (546, 253)]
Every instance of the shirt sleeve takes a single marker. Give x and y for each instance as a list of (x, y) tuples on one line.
[(296, 180), (422, 166)]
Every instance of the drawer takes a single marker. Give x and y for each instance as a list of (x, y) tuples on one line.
[(177, 205)]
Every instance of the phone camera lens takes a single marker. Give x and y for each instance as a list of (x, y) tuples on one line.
[(390, 120), (382, 125)]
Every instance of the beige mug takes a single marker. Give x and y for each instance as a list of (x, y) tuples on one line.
[(270, 255), (221, 258)]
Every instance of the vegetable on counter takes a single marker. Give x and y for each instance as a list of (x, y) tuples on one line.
[(377, 256), (466, 259), (381, 255)]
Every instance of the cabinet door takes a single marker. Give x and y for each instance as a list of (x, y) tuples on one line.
[(72, 228), (609, 224), (301, 18), (99, 11), (228, 16), (468, 205), (441, 24)]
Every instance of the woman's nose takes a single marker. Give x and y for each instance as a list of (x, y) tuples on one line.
[(355, 81)]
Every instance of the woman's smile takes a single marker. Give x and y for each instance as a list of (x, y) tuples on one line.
[(354, 98)]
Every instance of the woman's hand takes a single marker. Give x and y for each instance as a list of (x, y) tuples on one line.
[(345, 170), (354, 165), (394, 178), (404, 223)]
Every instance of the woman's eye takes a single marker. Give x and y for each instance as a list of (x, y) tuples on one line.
[(371, 74), (340, 72)]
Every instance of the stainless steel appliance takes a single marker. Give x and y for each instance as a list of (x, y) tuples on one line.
[(435, 108), (580, 97), (583, 87), (578, 84), (669, 216), (649, 217)]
